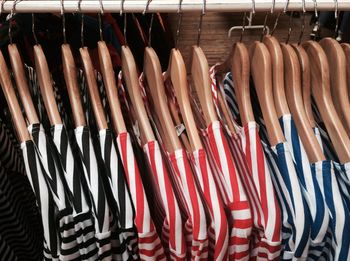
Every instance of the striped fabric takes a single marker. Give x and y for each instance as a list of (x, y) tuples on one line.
[(316, 202), (82, 215), (266, 212), (292, 196), (218, 232), (172, 228), (93, 173), (120, 197), (196, 230), (69, 249), (169, 221), (185, 185), (334, 179), (230, 186), (36, 175), (269, 246), (150, 247)]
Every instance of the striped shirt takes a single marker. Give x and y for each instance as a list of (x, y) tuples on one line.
[(173, 235), (196, 217), (185, 187), (218, 232), (124, 236), (266, 241), (331, 178), (230, 187), (316, 202), (150, 247)]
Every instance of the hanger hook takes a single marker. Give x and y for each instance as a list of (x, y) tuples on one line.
[(290, 21), (125, 21), (265, 19), (12, 14), (100, 19), (302, 28), (278, 17), (336, 16), (82, 24), (151, 23), (201, 22), (63, 23), (179, 21), (244, 19)]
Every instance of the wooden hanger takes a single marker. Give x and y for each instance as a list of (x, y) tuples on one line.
[(45, 83), (70, 76), (305, 82), (111, 88), (202, 84), (346, 49), (337, 61), (132, 84), (239, 65), (22, 84), (261, 68), (276, 55), (10, 95), (153, 74), (292, 80), (321, 91), (95, 99), (178, 76)]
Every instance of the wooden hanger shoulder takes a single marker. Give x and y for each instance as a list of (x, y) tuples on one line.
[(45, 83), (22, 84), (178, 76), (296, 104), (337, 61), (202, 84), (321, 91), (111, 88), (305, 82), (70, 76), (239, 65), (153, 74), (132, 84), (280, 100), (95, 99), (261, 69), (10, 95)]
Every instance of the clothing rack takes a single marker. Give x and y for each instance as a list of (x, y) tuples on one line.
[(169, 6)]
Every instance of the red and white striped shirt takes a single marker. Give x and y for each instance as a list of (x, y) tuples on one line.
[(218, 233), (196, 217), (150, 247), (265, 209), (172, 229)]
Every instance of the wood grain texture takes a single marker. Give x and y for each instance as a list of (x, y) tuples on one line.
[(22, 84), (294, 97)]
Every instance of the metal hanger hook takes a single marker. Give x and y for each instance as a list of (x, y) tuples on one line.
[(11, 18), (179, 21), (336, 16), (244, 19), (151, 23), (100, 19), (290, 21), (125, 21), (201, 22), (265, 19), (63, 23), (302, 27), (82, 24), (278, 17)]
